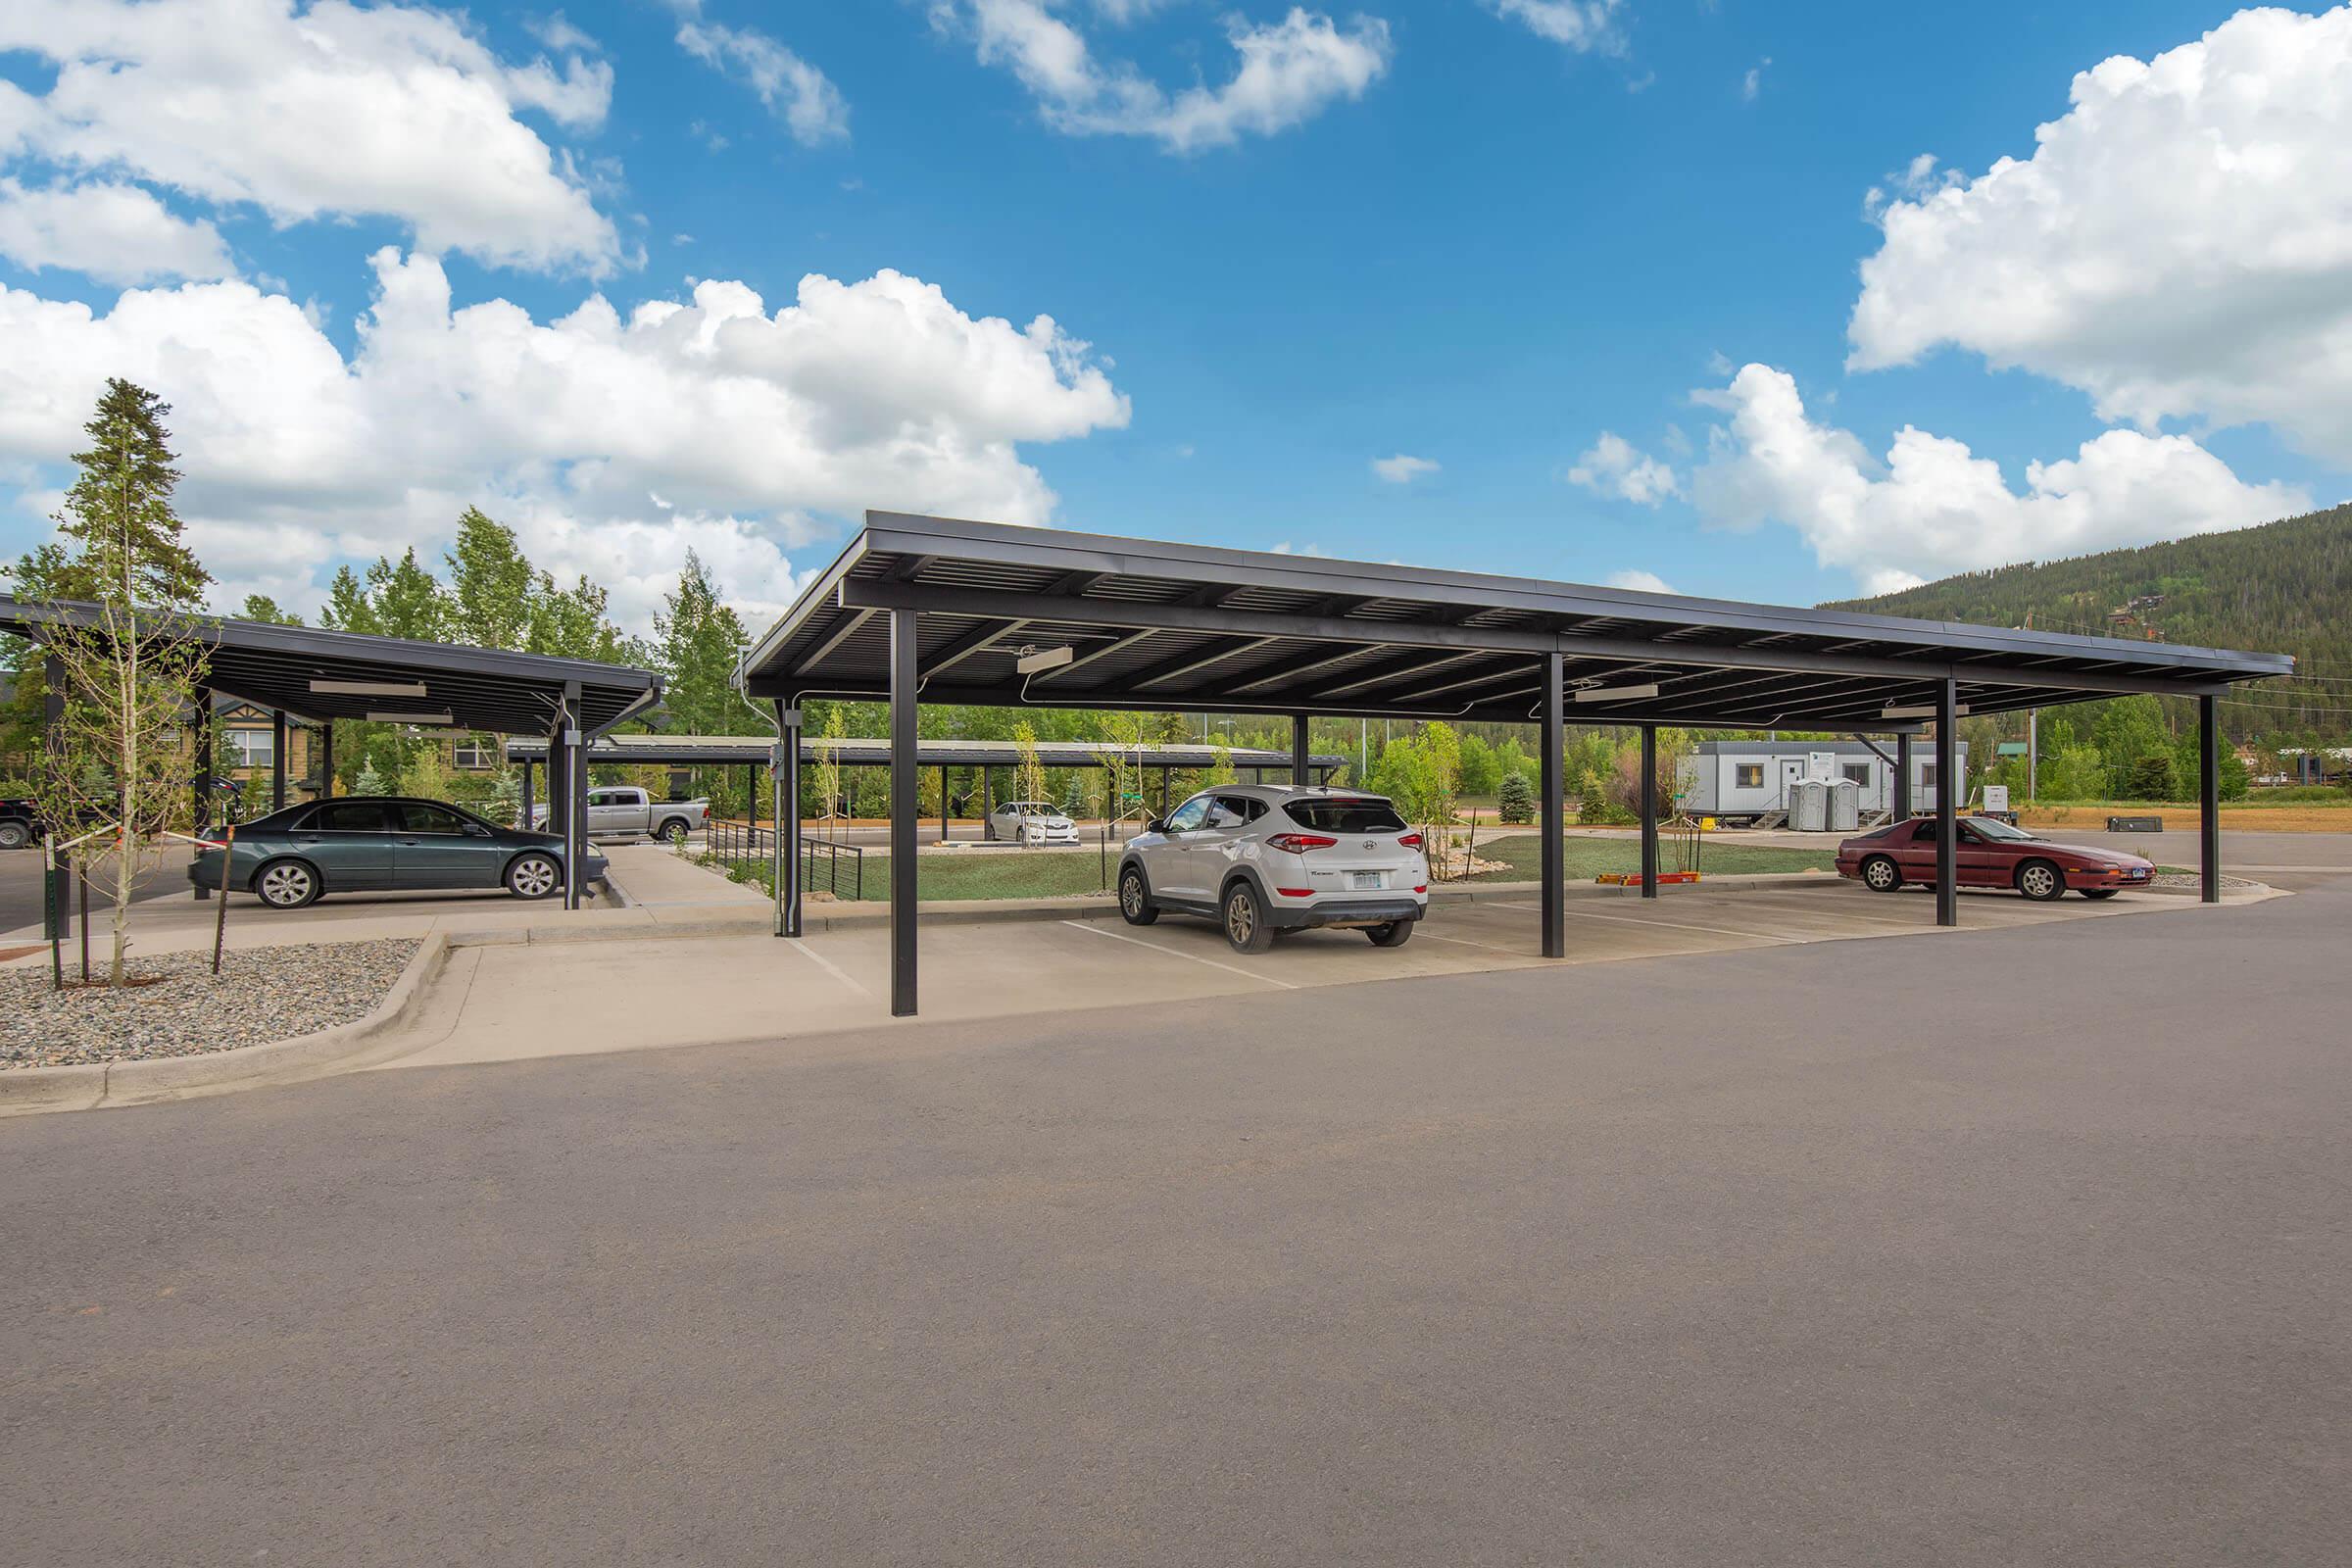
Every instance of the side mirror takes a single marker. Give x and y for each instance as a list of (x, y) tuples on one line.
[(475, 830), (1156, 825)]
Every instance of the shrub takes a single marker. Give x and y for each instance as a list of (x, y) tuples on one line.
[(1515, 801)]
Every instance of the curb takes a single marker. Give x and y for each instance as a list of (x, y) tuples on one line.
[(102, 1085)]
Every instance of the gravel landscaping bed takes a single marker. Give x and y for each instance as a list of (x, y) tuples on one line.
[(263, 995), (2168, 878)]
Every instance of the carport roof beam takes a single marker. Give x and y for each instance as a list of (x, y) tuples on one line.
[(298, 671), (1277, 634)]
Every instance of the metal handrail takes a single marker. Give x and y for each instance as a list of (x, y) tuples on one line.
[(737, 843)]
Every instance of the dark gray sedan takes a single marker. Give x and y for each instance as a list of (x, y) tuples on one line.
[(386, 843)]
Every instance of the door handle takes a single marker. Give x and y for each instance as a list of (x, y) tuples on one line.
[(410, 843)]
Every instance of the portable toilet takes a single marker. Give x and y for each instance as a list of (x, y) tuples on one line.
[(1809, 805), (1844, 812)]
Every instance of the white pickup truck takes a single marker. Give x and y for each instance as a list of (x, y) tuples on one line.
[(625, 812)]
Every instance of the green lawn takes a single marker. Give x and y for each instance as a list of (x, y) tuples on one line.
[(1015, 875), (1588, 858)]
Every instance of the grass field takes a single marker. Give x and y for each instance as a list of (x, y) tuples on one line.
[(2244, 817), (1015, 875)]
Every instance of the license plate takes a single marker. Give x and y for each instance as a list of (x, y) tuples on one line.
[(1363, 879)]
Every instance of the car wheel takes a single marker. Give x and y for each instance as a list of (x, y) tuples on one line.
[(534, 876), (674, 830), (286, 884), (1246, 924), (2040, 881), (2101, 893), (1134, 900), (1880, 874), (1395, 934), (14, 835)]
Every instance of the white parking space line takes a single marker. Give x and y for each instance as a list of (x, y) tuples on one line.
[(801, 947), (1465, 941), (1674, 925), (1174, 953)]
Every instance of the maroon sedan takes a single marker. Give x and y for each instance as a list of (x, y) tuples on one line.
[(1989, 854)]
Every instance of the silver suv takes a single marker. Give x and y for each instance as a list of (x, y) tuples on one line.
[(1261, 859)]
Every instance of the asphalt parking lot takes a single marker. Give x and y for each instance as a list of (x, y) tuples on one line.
[(2020, 1245), (20, 884)]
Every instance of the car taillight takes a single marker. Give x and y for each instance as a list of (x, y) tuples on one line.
[(1411, 841), (1295, 893), (1299, 843), (1420, 887)]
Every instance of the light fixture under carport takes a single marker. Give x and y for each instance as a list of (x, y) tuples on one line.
[(1193, 628)]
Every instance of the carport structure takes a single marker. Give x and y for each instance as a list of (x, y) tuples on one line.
[(319, 675), (945, 611), (753, 753)]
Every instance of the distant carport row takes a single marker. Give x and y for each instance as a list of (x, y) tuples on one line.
[(320, 675), (931, 610), (1160, 760)]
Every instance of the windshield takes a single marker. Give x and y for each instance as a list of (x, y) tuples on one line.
[(1999, 831), (1344, 817)]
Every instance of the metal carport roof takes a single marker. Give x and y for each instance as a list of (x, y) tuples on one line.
[(480, 688), (1169, 627)]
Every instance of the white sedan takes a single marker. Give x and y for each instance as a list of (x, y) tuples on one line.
[(1031, 822)]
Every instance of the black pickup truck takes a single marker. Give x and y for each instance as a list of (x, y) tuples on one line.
[(20, 827)]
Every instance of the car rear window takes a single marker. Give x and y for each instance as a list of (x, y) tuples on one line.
[(1344, 817)]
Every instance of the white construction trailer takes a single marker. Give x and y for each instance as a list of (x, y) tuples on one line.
[(1744, 781)]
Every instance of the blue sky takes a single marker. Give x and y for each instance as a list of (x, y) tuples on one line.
[(1483, 251)]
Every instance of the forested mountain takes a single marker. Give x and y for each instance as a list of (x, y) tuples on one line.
[(2285, 587)]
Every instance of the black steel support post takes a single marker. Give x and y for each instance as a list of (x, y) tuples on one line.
[(1650, 810), (574, 743), (1554, 812), (1899, 795), (1300, 771), (943, 806), (277, 761), (788, 819), (326, 762), (1947, 805), (2209, 800), (527, 803), (902, 812), (56, 914)]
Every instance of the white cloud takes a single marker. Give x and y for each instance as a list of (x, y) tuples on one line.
[(2178, 245), (1647, 582), (810, 106), (745, 422), (111, 232), (1933, 507), (1583, 25), (1615, 466), (327, 109), (1286, 547), (1403, 470), (1752, 84), (1288, 71)]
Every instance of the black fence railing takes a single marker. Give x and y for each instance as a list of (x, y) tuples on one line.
[(822, 861)]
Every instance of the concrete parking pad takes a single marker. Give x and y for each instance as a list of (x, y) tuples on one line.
[(578, 998)]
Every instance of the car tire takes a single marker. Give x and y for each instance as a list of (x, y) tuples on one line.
[(287, 884), (534, 876), (2042, 881), (1243, 916), (1880, 874), (1395, 934), (2095, 894), (674, 831), (15, 835), (1135, 898)]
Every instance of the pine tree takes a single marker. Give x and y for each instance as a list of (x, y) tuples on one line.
[(1516, 800), (118, 510)]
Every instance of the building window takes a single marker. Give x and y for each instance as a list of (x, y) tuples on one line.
[(473, 755), (1748, 775), (1926, 779), (1856, 772), (252, 748)]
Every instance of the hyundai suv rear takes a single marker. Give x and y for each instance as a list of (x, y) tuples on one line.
[(1259, 859)]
